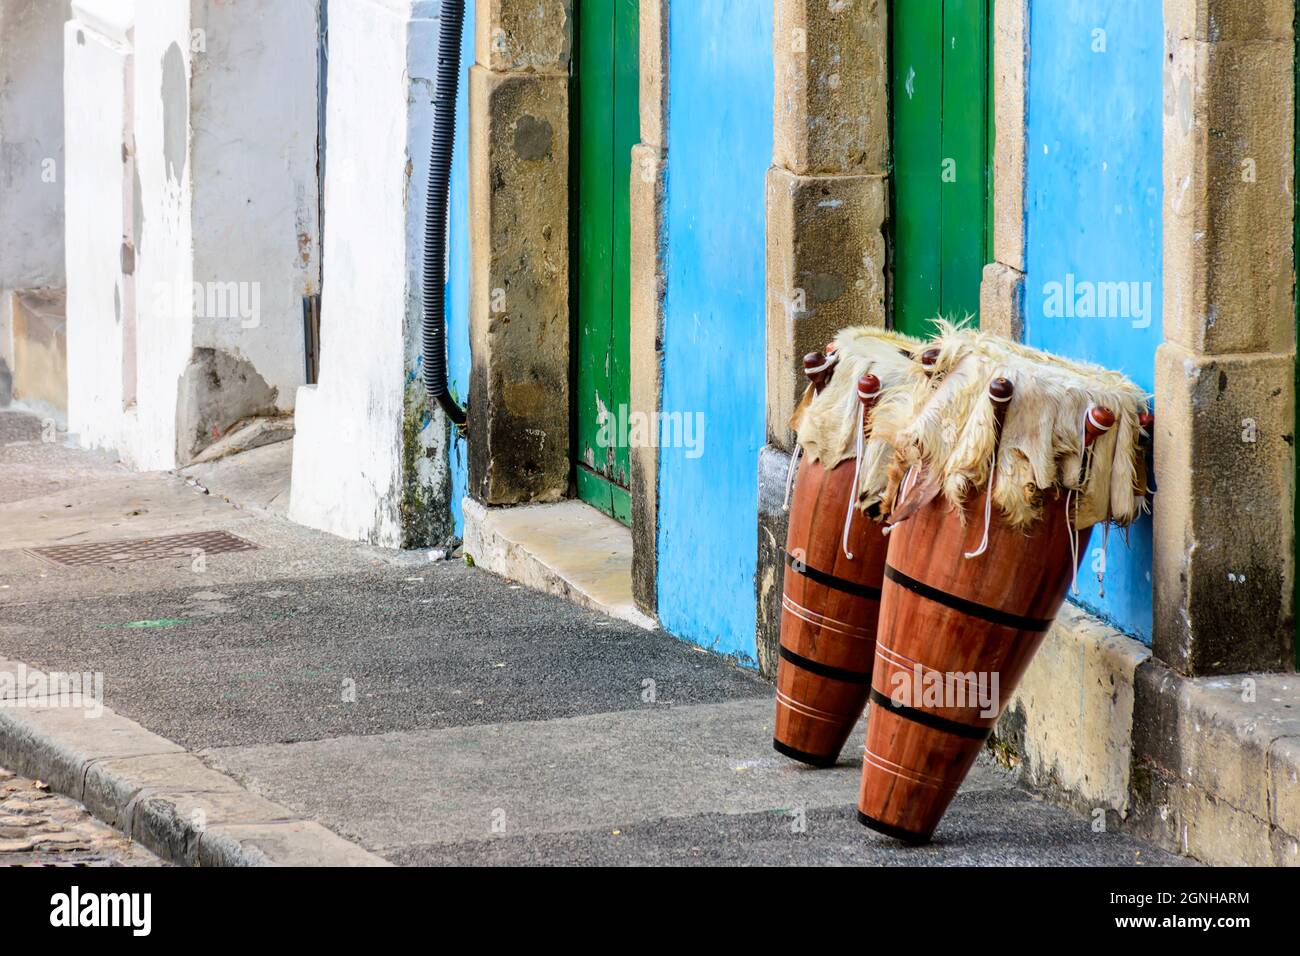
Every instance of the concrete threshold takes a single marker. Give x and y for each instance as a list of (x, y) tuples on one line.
[(152, 789), (567, 548)]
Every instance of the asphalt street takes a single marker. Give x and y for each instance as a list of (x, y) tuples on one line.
[(435, 714)]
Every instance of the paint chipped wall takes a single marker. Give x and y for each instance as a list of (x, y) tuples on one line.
[(31, 153), (217, 219), (1093, 196), (253, 150), (164, 246)]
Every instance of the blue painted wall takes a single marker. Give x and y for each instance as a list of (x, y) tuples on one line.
[(720, 147), (1094, 214), (458, 355)]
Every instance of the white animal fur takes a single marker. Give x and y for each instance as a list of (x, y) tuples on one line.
[(948, 430), (826, 422)]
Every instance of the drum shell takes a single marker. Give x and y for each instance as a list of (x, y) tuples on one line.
[(981, 617), (829, 610)]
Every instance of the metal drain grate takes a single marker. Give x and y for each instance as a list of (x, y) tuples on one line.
[(104, 553)]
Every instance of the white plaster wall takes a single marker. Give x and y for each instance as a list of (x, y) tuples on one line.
[(256, 199), (223, 194), (100, 187), (31, 132), (347, 470), (164, 253)]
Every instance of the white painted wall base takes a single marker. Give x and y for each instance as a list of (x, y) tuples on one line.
[(1071, 717), (370, 459)]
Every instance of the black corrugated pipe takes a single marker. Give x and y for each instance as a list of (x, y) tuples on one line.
[(451, 21)]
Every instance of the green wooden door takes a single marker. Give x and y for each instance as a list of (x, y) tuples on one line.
[(941, 148), (606, 126)]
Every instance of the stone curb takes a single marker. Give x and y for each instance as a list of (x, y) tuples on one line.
[(155, 791), (1217, 761)]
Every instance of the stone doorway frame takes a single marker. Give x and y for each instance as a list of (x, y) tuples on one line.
[(519, 426)]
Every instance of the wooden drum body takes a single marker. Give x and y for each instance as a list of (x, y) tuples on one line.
[(829, 611), (946, 624)]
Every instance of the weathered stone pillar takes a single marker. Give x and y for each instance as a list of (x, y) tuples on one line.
[(649, 282), (1224, 565), (519, 268), (1002, 290), (827, 201)]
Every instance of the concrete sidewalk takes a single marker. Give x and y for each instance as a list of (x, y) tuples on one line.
[(316, 701)]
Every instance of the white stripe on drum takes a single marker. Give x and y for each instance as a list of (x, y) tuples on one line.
[(824, 622), (904, 773), (804, 710)]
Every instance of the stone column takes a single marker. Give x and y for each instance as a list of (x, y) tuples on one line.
[(649, 283), (1225, 458), (519, 266), (1002, 290), (827, 201)]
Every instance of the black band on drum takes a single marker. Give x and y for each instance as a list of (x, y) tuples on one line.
[(991, 614)]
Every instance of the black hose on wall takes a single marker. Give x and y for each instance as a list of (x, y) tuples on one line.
[(451, 20)]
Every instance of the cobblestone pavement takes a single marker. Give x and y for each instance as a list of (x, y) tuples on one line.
[(40, 828)]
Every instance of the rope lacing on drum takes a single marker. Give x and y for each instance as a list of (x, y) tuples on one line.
[(1070, 498), (857, 473), (789, 475), (1087, 456), (988, 492), (988, 507)]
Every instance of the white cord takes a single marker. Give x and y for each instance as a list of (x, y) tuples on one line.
[(857, 473), (789, 474), (988, 494), (988, 507), (1070, 495)]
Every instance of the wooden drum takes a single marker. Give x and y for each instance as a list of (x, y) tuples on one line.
[(983, 548), (835, 553)]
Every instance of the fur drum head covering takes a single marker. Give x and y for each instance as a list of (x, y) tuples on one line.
[(948, 431), (826, 422)]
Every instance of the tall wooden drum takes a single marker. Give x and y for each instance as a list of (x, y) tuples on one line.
[(973, 581), (835, 552)]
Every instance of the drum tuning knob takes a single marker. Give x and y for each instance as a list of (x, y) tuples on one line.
[(819, 367), (868, 390), (1100, 420), (1000, 392)]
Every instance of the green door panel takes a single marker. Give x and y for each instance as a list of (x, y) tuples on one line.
[(606, 106), (941, 149)]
